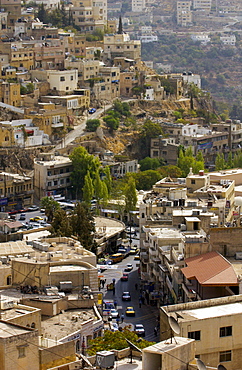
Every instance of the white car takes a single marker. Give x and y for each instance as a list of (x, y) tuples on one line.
[(114, 313), (128, 267), (139, 330)]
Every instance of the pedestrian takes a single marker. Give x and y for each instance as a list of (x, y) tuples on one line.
[(115, 304), (122, 318), (155, 331), (140, 302), (113, 290), (136, 286), (117, 320)]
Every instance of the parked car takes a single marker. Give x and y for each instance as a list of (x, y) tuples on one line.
[(22, 216), (139, 330), (126, 296), (130, 311), (128, 267), (125, 277), (136, 257), (114, 313), (92, 110)]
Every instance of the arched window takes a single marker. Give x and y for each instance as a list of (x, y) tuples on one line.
[(33, 325)]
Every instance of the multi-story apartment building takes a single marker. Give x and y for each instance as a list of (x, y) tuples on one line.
[(10, 93), (215, 326), (89, 15), (16, 191), (49, 54), (72, 103), (52, 175), (87, 69), (49, 118), (138, 5), (120, 45), (108, 85), (21, 55), (61, 82), (204, 5), (13, 9), (183, 13)]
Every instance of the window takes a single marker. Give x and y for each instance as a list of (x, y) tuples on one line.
[(225, 331), (194, 335), (225, 356), (193, 182), (21, 352), (55, 182), (49, 183), (62, 78), (72, 78)]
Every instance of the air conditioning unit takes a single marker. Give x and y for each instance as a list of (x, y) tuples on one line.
[(105, 359), (238, 256)]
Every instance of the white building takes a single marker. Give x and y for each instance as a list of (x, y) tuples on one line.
[(64, 81), (149, 94), (26, 134), (228, 40), (201, 37), (49, 4), (138, 5), (190, 78), (148, 38), (194, 130), (202, 4)]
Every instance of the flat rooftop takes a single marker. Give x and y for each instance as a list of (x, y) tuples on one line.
[(61, 325), (9, 330)]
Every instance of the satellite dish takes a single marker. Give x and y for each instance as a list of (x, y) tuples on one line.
[(200, 364), (221, 367), (174, 325)]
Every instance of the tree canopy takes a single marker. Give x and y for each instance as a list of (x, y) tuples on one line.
[(50, 205), (82, 162)]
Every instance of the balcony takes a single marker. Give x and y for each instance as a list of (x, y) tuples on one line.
[(146, 243), (144, 257), (152, 252), (190, 293), (57, 125)]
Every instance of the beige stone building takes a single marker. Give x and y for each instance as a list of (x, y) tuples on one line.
[(57, 260), (120, 45), (215, 326), (19, 347), (52, 175)]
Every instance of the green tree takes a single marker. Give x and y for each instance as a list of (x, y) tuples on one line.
[(42, 14), (130, 195), (60, 225), (116, 340), (148, 131), (82, 162), (146, 179), (171, 171), (50, 205), (186, 161), (230, 163), (92, 124), (219, 162), (83, 225), (111, 122), (107, 178), (88, 188), (30, 88), (149, 164)]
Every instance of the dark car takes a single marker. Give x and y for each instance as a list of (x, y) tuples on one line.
[(126, 296)]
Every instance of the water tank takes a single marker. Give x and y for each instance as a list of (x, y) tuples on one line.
[(105, 359)]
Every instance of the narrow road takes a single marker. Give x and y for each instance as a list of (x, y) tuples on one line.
[(79, 129)]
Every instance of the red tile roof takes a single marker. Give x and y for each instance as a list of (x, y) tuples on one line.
[(210, 269)]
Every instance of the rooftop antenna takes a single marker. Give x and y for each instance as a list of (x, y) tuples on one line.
[(175, 327)]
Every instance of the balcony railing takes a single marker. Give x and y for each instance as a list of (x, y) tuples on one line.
[(190, 293)]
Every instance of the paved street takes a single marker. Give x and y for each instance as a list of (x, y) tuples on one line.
[(145, 314)]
